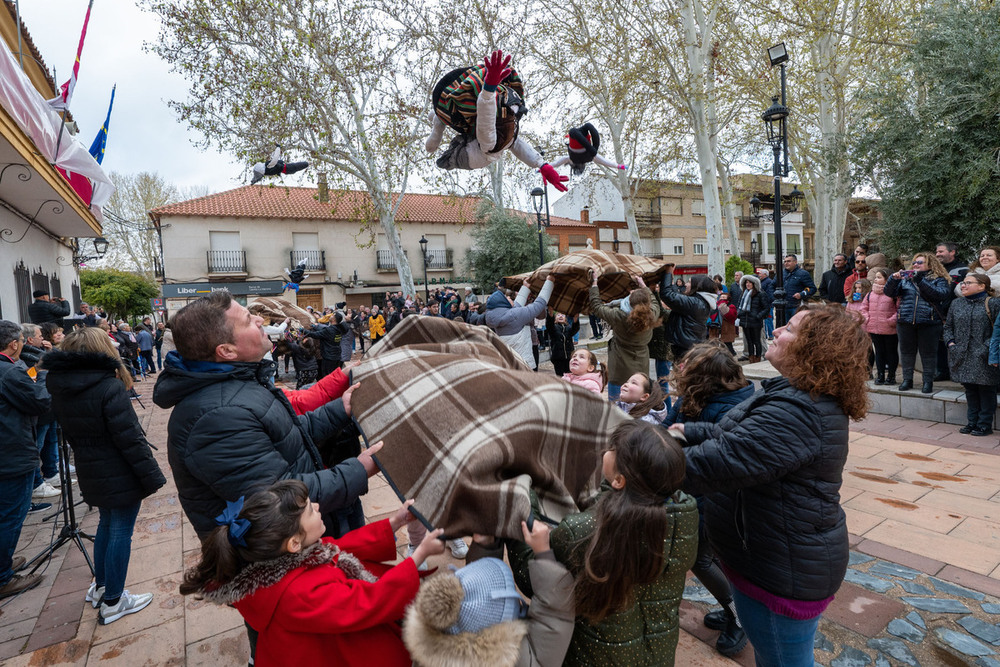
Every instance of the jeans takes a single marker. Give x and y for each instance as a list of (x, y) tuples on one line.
[(146, 361), (15, 499), (922, 337), (595, 326), (982, 404), (113, 546), (662, 373), (614, 391), (159, 357), (886, 354), (48, 450), (778, 641), (769, 324)]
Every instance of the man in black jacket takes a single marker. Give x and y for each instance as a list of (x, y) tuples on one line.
[(44, 309), (232, 432), (21, 401), (329, 342), (831, 285)]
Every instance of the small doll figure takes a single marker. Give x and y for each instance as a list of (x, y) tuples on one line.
[(584, 142), (275, 165)]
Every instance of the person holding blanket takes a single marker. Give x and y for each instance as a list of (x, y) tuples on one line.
[(314, 600), (771, 471), (967, 334), (689, 311), (514, 319), (632, 323)]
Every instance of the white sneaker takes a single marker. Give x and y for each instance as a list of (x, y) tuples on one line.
[(127, 604), (459, 549), (95, 595), (72, 469), (45, 490), (54, 481), (409, 552)]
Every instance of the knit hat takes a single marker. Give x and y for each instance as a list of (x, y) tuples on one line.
[(489, 596), (39, 293)]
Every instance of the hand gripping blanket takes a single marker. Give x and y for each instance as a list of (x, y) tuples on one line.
[(469, 428), (614, 270), (276, 310)]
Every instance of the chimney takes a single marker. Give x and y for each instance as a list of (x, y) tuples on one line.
[(321, 188), (585, 215)]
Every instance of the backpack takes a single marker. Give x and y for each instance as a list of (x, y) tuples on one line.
[(454, 98)]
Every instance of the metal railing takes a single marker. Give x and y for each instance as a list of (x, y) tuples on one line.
[(315, 259), (749, 222), (227, 261), (647, 220), (384, 260), (440, 258)]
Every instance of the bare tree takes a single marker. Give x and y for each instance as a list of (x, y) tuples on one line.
[(133, 243)]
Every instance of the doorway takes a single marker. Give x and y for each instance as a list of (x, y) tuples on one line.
[(310, 297)]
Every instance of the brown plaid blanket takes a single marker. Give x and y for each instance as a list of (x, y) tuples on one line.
[(276, 310), (614, 272), (468, 428)]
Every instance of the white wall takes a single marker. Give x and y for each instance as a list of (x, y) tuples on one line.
[(596, 192), (36, 249)]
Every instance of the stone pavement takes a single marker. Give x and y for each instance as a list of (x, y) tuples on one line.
[(923, 508)]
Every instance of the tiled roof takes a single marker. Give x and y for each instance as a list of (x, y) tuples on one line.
[(28, 44), (297, 203)]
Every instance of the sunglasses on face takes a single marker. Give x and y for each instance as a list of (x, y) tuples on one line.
[(917, 262)]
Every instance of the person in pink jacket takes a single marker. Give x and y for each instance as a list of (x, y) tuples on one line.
[(586, 371), (880, 314)]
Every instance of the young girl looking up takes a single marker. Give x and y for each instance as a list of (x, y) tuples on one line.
[(585, 370), (314, 600), (643, 399), (709, 381), (861, 289), (629, 551), (879, 311)]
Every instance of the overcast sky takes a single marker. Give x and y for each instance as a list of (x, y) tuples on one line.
[(145, 134)]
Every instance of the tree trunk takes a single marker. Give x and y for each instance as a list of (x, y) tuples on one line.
[(388, 221), (496, 182), (729, 207)]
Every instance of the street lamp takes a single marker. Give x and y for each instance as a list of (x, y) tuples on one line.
[(753, 253), (615, 243), (100, 247), (776, 120), (423, 251), (539, 200)]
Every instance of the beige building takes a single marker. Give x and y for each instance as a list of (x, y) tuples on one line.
[(244, 239)]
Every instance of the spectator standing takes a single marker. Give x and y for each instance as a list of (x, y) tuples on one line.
[(751, 310), (767, 287), (947, 254), (144, 339), (376, 325), (347, 338), (561, 330), (967, 333), (880, 313), (47, 482), (21, 401), (115, 465), (329, 337), (632, 322), (686, 325), (799, 285), (158, 344), (921, 293), (987, 264), (44, 309), (831, 285)]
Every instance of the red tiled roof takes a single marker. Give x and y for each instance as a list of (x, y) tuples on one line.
[(298, 203)]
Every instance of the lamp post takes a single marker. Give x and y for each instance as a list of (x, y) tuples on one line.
[(423, 251), (753, 253), (615, 242), (539, 200), (100, 247), (775, 118)]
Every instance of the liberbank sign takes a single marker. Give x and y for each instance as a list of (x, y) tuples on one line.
[(256, 288)]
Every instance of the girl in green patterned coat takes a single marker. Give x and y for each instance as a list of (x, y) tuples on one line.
[(629, 552)]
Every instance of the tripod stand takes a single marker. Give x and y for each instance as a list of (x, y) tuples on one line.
[(70, 531)]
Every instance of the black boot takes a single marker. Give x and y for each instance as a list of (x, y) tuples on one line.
[(928, 387), (906, 385), (716, 620), (890, 379), (880, 378), (733, 638)]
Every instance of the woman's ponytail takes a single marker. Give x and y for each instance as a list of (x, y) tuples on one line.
[(219, 563), (641, 317)]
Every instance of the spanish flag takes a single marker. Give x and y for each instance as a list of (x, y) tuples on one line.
[(61, 103), (101, 140)]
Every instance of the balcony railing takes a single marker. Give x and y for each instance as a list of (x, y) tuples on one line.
[(384, 260), (315, 259), (647, 220), (227, 261), (749, 222), (439, 259)]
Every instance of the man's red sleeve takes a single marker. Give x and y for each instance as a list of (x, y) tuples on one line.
[(328, 389)]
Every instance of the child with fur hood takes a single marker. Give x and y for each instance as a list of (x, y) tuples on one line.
[(475, 616), (312, 599)]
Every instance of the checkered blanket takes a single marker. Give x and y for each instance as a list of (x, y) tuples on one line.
[(573, 283), (468, 428), (276, 310)]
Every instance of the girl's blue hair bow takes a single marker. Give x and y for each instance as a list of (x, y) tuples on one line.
[(237, 527)]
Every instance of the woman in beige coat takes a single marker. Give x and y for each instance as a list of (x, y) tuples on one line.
[(632, 323)]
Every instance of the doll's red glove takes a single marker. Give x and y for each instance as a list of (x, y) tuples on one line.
[(496, 69), (551, 176)]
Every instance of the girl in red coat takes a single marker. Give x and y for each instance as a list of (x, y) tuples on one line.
[(313, 599)]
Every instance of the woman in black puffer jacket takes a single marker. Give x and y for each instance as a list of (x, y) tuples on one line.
[(687, 325), (771, 472), (89, 386)]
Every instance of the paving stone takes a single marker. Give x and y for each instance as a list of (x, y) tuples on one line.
[(868, 581), (893, 570), (882, 661), (963, 643), (821, 642), (905, 630), (991, 607), (955, 589), (863, 611), (985, 631), (856, 558), (895, 649), (914, 588), (916, 619), (987, 662), (698, 593), (851, 657), (938, 605)]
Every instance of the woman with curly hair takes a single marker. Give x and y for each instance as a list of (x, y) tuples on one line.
[(771, 472), (632, 321)]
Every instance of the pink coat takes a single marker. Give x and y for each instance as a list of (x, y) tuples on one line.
[(591, 381), (880, 313)]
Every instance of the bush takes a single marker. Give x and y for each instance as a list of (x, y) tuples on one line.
[(734, 264)]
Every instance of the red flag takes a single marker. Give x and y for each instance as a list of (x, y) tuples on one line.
[(80, 183), (61, 103)]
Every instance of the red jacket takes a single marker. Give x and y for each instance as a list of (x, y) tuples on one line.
[(328, 389), (317, 616)]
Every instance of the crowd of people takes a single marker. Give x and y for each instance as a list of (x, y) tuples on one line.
[(735, 482)]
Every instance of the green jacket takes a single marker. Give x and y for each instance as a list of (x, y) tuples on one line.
[(645, 634), (628, 353)]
